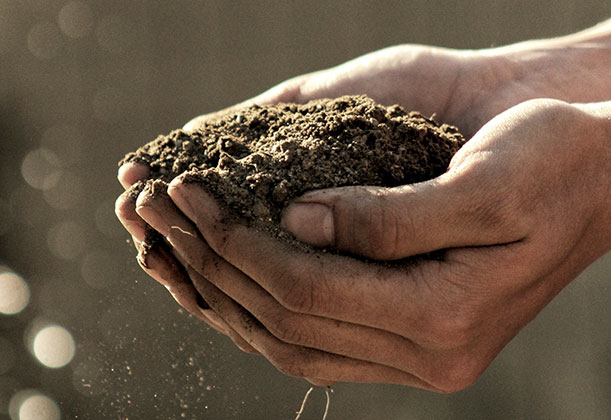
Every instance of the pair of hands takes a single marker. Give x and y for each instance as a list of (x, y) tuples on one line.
[(523, 209)]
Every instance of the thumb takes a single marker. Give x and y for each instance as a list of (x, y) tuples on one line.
[(394, 223)]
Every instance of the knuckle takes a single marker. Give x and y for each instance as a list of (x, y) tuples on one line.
[(458, 379), (453, 317), (381, 226), (503, 211), (284, 325), (551, 111), (296, 297), (294, 291), (495, 213), (219, 240), (455, 373), (289, 361), (461, 378), (510, 214), (289, 330), (511, 210), (381, 240), (206, 265)]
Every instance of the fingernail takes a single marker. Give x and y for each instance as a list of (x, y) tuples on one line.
[(131, 172), (311, 223), (176, 192)]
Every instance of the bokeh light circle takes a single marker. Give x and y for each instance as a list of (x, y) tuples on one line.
[(8, 388), (67, 192), (75, 19), (53, 346), (89, 376), (32, 405), (14, 293), (40, 169)]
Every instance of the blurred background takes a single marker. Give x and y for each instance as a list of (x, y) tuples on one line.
[(84, 334)]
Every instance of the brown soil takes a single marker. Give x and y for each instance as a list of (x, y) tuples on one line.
[(256, 160)]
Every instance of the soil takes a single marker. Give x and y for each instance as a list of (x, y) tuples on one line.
[(257, 159)]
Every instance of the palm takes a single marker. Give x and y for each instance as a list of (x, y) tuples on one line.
[(466, 89), (462, 88)]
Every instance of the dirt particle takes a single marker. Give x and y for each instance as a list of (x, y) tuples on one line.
[(256, 160)]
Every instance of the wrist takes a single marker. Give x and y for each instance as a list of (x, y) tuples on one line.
[(572, 68)]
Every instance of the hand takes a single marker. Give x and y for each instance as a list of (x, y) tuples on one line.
[(524, 207), (464, 88), (377, 74)]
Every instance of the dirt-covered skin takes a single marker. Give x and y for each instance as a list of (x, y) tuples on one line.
[(511, 241), (258, 159)]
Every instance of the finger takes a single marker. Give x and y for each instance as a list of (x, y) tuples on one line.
[(224, 328), (295, 360), (125, 209), (146, 204), (327, 285), (330, 335), (410, 304), (158, 263), (454, 210), (132, 172), (161, 266)]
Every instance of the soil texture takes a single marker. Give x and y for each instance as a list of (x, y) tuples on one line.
[(257, 159)]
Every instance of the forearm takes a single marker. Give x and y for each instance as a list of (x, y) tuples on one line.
[(573, 68)]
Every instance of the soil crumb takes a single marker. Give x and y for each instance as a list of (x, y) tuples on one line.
[(258, 159)]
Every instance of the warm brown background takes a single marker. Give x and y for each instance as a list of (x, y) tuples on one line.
[(92, 80)]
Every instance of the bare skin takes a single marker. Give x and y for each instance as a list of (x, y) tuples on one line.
[(516, 225)]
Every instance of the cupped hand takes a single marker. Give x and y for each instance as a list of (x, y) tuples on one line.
[(465, 88), (522, 210), (353, 338), (392, 75)]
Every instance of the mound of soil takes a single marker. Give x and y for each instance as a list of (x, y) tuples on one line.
[(257, 159)]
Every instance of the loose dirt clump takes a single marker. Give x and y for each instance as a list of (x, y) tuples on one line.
[(257, 159)]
